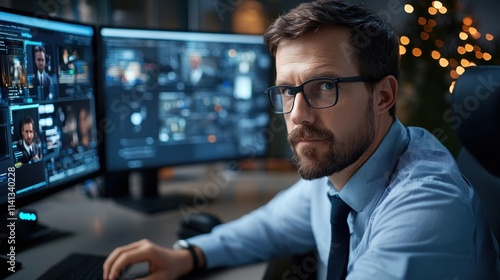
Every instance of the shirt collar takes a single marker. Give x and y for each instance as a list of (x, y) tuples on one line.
[(28, 147), (373, 176)]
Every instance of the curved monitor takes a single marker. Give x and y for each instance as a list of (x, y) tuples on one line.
[(47, 107), (172, 97)]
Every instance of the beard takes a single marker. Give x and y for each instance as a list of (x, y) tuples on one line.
[(341, 151), (28, 141)]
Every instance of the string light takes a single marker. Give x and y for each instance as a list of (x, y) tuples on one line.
[(437, 4), (416, 52), (476, 35), (402, 50), (467, 21), (435, 54), (439, 43), (443, 62), (452, 86), (404, 40), (409, 8), (453, 62), (464, 62), (457, 66)]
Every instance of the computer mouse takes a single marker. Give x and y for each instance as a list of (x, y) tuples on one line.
[(197, 223)]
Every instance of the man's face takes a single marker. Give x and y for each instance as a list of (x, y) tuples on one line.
[(325, 141), (28, 133), (40, 61), (194, 61), (83, 121)]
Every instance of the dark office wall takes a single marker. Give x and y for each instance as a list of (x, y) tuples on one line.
[(149, 13)]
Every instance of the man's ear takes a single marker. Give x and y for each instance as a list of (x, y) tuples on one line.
[(385, 92)]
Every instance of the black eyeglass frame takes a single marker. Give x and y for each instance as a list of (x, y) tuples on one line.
[(300, 88)]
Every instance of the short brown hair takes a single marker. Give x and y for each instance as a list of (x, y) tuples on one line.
[(375, 43)]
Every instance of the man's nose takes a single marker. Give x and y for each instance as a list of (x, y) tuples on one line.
[(301, 111)]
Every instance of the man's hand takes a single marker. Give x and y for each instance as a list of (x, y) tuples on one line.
[(164, 263)]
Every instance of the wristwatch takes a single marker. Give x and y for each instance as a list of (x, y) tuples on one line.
[(184, 245)]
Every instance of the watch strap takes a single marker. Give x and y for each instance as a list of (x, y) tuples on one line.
[(191, 249), (184, 245)]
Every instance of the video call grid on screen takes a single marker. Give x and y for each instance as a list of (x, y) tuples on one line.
[(47, 105), (174, 97)]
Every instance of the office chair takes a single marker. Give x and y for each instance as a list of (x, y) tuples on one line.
[(475, 106)]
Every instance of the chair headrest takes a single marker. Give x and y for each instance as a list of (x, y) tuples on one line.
[(475, 106)]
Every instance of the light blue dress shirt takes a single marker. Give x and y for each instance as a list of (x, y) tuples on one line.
[(413, 217)]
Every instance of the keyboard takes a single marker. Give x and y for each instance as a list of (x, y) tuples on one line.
[(76, 266)]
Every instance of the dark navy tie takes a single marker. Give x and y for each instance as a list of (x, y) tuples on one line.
[(339, 248)]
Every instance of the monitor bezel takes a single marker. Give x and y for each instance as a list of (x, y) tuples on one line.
[(25, 200)]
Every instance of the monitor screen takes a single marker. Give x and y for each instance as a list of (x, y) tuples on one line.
[(172, 97), (47, 107)]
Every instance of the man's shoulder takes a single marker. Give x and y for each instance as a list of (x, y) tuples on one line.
[(419, 134), (424, 148), (427, 163)]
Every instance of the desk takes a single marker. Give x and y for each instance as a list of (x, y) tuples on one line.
[(99, 225)]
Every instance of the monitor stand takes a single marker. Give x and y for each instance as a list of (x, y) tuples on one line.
[(149, 200), (26, 232), (8, 266)]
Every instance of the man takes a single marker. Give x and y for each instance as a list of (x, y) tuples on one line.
[(42, 80), (410, 214), (84, 128), (26, 145), (198, 73)]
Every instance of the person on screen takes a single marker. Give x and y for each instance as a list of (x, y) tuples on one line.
[(67, 61), (42, 79), (391, 196), (30, 150), (84, 127), (18, 73), (199, 74)]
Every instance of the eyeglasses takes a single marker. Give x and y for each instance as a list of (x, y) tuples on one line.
[(319, 93)]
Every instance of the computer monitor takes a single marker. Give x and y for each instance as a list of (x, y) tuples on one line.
[(173, 98), (47, 112)]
